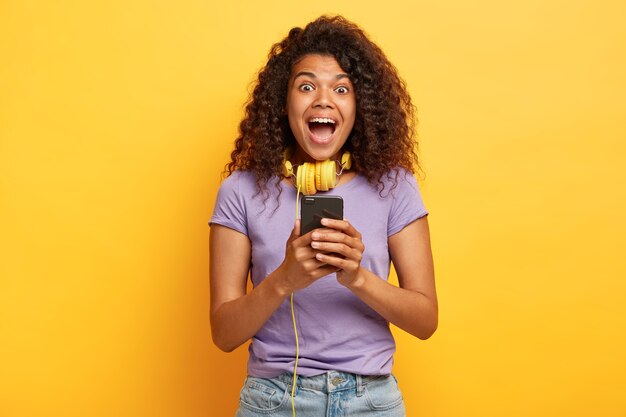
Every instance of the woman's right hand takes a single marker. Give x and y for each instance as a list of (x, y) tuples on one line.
[(300, 268)]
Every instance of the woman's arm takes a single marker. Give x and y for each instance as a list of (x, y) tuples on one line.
[(237, 316), (413, 305)]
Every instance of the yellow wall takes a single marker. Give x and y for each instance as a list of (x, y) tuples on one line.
[(116, 118)]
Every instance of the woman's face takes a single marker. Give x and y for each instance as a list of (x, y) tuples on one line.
[(321, 107)]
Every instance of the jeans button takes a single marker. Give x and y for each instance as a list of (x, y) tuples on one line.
[(336, 381)]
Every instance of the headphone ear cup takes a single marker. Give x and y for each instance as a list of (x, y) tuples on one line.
[(328, 175), (300, 178), (305, 178), (318, 176), (310, 179)]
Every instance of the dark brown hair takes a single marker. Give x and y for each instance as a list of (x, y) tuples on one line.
[(382, 138)]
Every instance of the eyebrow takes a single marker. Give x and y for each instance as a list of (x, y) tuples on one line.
[(310, 74)]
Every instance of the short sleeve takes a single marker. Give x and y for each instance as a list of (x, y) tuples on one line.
[(407, 204), (230, 209)]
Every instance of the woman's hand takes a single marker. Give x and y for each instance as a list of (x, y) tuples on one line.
[(339, 245), (301, 268)]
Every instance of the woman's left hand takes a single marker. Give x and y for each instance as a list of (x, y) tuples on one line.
[(339, 244)]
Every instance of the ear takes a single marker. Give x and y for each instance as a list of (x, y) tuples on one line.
[(346, 160), (287, 169), (287, 166)]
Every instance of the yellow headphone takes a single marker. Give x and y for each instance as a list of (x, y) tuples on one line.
[(312, 177)]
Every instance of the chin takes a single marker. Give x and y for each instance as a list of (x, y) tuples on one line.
[(322, 156)]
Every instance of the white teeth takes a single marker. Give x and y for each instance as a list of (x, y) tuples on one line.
[(321, 120)]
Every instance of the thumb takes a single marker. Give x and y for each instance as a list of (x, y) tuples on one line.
[(295, 233)]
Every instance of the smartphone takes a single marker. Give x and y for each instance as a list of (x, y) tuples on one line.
[(316, 207)]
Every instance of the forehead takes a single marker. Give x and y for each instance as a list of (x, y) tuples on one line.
[(320, 65)]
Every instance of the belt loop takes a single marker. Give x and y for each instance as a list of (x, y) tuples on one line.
[(359, 386)]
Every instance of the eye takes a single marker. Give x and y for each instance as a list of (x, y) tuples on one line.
[(306, 87), (342, 90)]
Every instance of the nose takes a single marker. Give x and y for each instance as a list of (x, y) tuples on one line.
[(323, 99)]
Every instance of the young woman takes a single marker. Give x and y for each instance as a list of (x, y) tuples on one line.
[(321, 305)]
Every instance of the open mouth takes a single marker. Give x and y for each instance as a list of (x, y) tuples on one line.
[(321, 128)]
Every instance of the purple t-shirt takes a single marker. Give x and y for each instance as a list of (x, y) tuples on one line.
[(336, 330)]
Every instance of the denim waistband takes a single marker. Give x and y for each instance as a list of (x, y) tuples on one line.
[(328, 382)]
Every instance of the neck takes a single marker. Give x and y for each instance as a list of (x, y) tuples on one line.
[(299, 157)]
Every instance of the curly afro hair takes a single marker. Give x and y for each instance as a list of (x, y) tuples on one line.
[(382, 138)]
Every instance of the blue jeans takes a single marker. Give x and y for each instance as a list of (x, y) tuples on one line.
[(333, 394)]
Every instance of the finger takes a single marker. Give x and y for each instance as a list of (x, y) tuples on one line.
[(295, 232), (295, 235), (334, 236), (338, 248), (342, 225), (314, 268), (310, 266), (327, 270), (305, 254), (341, 263), (329, 235), (318, 269)]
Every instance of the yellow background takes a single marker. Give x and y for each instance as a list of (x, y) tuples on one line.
[(117, 117)]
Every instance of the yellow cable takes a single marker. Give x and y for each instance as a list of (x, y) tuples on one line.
[(295, 330), (306, 177), (295, 367)]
